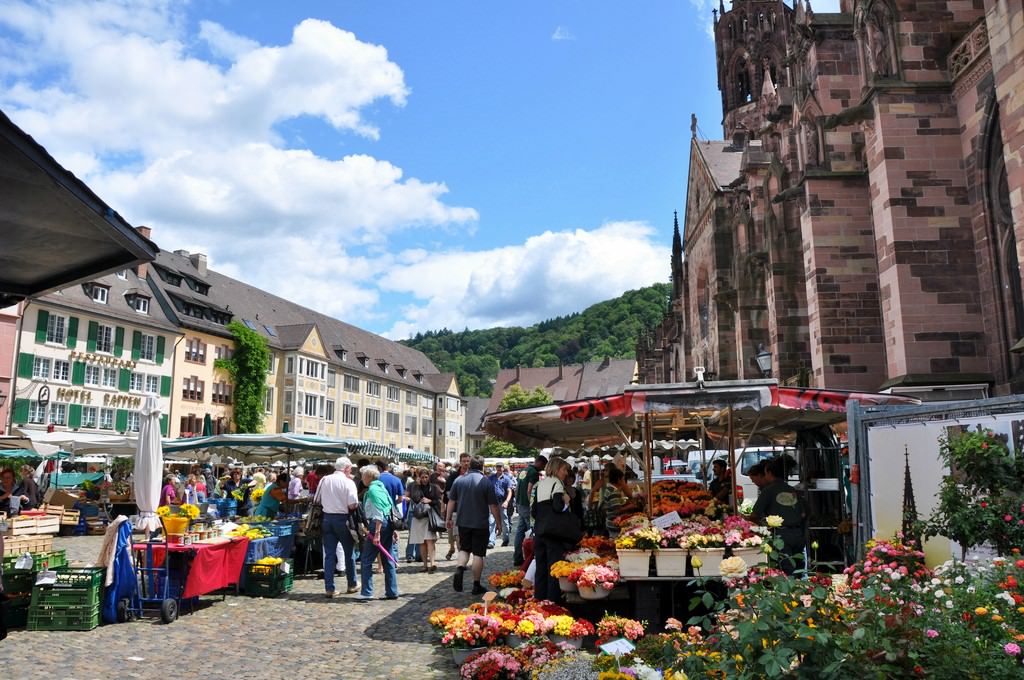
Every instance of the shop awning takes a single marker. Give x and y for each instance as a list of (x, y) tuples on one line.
[(253, 448), (67, 480), (760, 406), (81, 443), (55, 230), (412, 456)]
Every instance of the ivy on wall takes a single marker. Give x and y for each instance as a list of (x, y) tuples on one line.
[(248, 370)]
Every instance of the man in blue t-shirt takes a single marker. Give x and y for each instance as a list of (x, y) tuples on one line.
[(504, 486)]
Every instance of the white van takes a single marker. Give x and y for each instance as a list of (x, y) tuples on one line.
[(746, 459)]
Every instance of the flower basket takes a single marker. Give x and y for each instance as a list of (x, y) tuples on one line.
[(576, 642), (589, 593), (711, 561), (752, 555), (175, 524), (634, 563), (459, 655), (670, 562), (566, 585)]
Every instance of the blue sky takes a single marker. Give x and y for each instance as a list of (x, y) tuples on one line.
[(401, 165)]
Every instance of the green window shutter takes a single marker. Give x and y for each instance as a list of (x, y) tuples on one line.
[(78, 373), (163, 425), (25, 365), (124, 380), (136, 345), (94, 330), (121, 420), (21, 411), (72, 331), (75, 415), (42, 319), (165, 386), (118, 342), (161, 345)]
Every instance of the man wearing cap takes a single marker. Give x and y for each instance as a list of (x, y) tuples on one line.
[(524, 491), (337, 494)]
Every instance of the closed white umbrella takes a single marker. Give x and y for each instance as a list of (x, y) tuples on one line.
[(149, 466)]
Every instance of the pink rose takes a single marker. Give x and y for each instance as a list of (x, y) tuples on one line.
[(1008, 518), (932, 633), (1011, 648)]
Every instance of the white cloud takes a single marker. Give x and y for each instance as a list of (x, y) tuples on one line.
[(553, 273), (224, 43), (562, 33), (188, 147)]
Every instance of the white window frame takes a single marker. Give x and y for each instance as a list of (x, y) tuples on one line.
[(58, 414), (268, 401), (395, 391), (373, 388), (147, 348), (93, 375), (310, 407), (290, 365), (137, 382), (100, 294), (105, 338), (36, 413), (90, 415), (329, 411), (373, 418), (56, 329), (289, 402), (410, 398), (332, 377), (153, 384), (350, 383), (392, 417), (141, 304), (133, 421), (350, 414), (61, 371), (427, 425), (106, 419), (410, 420), (110, 373), (41, 367)]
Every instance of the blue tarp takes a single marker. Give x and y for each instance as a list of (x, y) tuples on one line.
[(124, 584)]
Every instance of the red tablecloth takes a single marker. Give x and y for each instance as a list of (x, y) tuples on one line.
[(214, 566)]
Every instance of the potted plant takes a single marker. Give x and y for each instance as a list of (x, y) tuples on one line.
[(498, 663), (670, 560), (743, 538), (634, 549), (468, 633), (707, 549), (566, 630), (595, 581), (611, 627), (562, 570)]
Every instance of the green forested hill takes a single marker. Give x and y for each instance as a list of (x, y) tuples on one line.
[(608, 328)]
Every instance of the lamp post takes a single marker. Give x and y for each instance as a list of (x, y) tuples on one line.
[(764, 360)]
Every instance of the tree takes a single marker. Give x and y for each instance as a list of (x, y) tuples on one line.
[(248, 370), (496, 448), (516, 397)]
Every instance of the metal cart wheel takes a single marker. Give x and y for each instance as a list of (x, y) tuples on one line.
[(169, 610), (124, 610)]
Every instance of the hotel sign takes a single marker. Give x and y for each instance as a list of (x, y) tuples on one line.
[(80, 396)]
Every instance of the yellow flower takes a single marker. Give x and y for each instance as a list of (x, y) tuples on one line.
[(696, 563), (980, 611), (163, 511), (774, 521), (997, 618)]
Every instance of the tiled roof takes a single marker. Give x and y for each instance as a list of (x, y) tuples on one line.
[(281, 321), (722, 159), (117, 306), (567, 383), (438, 382), (476, 409)]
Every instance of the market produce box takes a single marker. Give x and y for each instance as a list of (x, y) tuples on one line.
[(63, 618), (70, 518), (57, 497), (74, 587), (40, 560), (263, 579), (17, 545), (48, 524)]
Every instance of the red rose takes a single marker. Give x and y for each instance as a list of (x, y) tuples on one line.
[(984, 504)]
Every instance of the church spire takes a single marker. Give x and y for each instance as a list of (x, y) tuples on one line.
[(677, 241)]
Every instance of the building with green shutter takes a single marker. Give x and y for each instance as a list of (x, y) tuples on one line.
[(87, 356)]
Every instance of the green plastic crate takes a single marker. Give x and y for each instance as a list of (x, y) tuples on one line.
[(47, 560), (19, 581), (80, 577), (268, 580), (52, 596), (63, 618)]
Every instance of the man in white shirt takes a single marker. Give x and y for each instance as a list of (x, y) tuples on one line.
[(337, 494)]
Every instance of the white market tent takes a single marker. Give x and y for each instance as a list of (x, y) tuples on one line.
[(81, 443)]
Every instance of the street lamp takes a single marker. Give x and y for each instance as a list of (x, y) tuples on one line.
[(764, 361)]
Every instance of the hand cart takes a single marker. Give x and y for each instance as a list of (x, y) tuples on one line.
[(161, 584)]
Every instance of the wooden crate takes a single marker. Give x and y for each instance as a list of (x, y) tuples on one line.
[(17, 545), (50, 524), (53, 510), (70, 518), (20, 525)]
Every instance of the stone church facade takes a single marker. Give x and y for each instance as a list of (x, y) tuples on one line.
[(863, 219)]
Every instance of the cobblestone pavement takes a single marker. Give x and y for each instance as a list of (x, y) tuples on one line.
[(298, 635)]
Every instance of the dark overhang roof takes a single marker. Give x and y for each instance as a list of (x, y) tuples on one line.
[(55, 231)]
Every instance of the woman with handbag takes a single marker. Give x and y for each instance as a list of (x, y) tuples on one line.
[(424, 496), (378, 506), (557, 528)]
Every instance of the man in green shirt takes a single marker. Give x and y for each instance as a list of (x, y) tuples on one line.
[(524, 491), (777, 497)]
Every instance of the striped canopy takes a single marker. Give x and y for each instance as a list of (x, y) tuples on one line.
[(255, 448), (411, 456)]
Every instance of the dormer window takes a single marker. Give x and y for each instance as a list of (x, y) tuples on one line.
[(383, 366), (99, 293), (123, 275), (364, 360), (342, 354), (140, 303), (401, 371), (418, 377)]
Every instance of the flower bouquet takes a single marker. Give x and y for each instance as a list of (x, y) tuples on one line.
[(567, 630), (440, 618), (499, 663), (611, 627), (595, 581), (634, 549), (562, 570), (507, 579), (605, 547), (256, 494), (469, 632)]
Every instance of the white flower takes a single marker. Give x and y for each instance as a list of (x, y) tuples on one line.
[(949, 604), (936, 582), (747, 507), (959, 580), (774, 521), (940, 594), (733, 567), (970, 590)]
